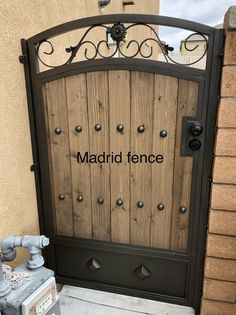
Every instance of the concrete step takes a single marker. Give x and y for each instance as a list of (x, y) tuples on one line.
[(81, 301)]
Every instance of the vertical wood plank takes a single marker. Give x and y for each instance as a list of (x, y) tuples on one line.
[(141, 114), (60, 154), (46, 118), (165, 107), (79, 142), (97, 83), (187, 104), (119, 102)]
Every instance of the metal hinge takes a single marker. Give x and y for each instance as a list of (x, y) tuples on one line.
[(221, 54), (23, 59), (34, 168)]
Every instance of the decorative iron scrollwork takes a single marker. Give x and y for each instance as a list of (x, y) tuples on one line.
[(121, 46)]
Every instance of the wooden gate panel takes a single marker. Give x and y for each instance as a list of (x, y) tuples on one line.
[(57, 115), (132, 99), (98, 113), (119, 102), (165, 108), (142, 97), (76, 93), (187, 106)]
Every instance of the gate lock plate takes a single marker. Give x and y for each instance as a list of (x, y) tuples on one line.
[(192, 136)]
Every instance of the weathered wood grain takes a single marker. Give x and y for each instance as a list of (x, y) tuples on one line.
[(142, 90), (164, 118), (119, 102), (60, 155), (97, 83), (76, 92), (187, 104)]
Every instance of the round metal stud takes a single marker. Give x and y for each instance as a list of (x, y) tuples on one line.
[(78, 129), (80, 198), (100, 200), (58, 131), (182, 209), (140, 204), (160, 206), (98, 127), (163, 133), (141, 129), (119, 202), (61, 197), (195, 144), (120, 128)]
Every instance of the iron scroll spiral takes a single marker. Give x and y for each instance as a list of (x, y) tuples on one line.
[(118, 34)]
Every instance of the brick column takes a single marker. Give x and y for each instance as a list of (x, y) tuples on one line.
[(219, 291)]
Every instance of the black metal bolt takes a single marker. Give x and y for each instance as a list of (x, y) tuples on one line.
[(160, 206), (141, 129), (163, 133), (195, 144), (80, 198), (98, 127), (182, 209), (120, 128), (100, 200), (61, 197), (140, 204), (78, 129), (58, 131), (119, 202)]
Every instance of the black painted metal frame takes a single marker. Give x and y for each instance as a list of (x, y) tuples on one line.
[(208, 80)]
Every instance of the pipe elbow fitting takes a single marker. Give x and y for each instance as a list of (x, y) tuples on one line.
[(8, 248), (32, 242), (34, 245)]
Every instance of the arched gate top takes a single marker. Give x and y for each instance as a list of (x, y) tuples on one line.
[(116, 28), (122, 18)]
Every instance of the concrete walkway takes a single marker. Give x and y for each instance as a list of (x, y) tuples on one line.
[(82, 301)]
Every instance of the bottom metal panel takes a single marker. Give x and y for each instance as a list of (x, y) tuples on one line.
[(148, 273)]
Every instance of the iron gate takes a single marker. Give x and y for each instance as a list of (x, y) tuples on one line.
[(132, 222)]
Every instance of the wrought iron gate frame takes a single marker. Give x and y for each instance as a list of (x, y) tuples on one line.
[(207, 101)]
